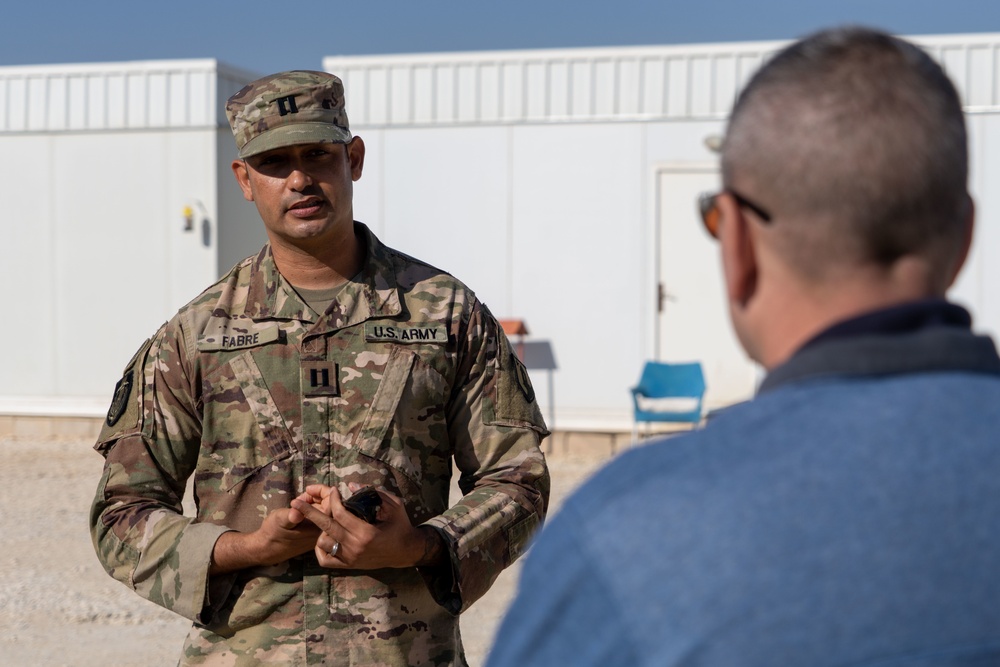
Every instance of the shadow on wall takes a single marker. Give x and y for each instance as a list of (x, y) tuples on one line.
[(535, 355)]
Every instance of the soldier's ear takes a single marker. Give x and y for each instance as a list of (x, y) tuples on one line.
[(356, 156), (242, 174)]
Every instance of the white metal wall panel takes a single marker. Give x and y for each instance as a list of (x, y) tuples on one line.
[(27, 269), (975, 287), (239, 229), (111, 271), (635, 83), (449, 206), (576, 233), (107, 157), (973, 63), (369, 192), (986, 240), (582, 250), (546, 86), (112, 96)]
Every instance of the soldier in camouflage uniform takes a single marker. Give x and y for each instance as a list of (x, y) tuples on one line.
[(325, 363)]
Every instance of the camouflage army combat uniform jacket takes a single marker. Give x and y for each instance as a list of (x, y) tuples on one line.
[(256, 396)]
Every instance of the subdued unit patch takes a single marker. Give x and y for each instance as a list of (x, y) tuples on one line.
[(123, 413)]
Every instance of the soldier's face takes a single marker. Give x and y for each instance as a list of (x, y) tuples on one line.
[(303, 192)]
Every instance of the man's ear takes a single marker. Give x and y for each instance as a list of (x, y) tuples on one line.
[(963, 254), (356, 155), (739, 258), (242, 174)]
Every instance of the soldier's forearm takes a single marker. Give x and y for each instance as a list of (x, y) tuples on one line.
[(233, 551)]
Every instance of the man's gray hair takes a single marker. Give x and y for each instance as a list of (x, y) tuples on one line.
[(858, 140)]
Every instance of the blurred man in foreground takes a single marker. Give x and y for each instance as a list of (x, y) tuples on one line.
[(847, 515)]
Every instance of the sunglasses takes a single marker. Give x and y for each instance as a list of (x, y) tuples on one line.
[(707, 206)]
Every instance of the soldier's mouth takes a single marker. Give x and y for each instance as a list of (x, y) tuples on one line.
[(306, 207)]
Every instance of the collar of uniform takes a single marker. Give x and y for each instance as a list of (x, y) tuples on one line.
[(270, 296), (932, 336)]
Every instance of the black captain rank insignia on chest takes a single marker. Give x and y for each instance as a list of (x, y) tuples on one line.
[(319, 378)]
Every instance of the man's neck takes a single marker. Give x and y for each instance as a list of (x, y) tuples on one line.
[(319, 266), (798, 315)]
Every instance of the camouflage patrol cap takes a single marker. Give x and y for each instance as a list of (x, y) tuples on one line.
[(297, 107)]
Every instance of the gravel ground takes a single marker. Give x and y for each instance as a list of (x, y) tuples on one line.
[(58, 607)]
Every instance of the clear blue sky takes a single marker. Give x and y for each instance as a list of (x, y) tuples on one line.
[(272, 36)]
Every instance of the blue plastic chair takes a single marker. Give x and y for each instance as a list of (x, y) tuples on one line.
[(668, 393)]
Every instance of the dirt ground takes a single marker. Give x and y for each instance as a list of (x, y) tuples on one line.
[(58, 607)]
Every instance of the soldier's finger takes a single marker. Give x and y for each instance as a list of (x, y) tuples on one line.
[(393, 500), (323, 521), (319, 491), (330, 553)]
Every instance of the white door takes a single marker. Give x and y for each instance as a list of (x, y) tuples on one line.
[(693, 322)]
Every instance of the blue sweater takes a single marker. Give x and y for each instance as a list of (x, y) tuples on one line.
[(849, 515)]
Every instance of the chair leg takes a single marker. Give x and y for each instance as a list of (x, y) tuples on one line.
[(635, 433)]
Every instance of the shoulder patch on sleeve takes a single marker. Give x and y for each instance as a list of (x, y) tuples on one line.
[(123, 414), (515, 397)]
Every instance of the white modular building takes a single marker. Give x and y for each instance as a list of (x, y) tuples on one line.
[(559, 184), (117, 209)]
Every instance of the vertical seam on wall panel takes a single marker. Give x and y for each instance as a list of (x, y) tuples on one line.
[(501, 100), (105, 113), (510, 221), (366, 102), (967, 52), (613, 69), (454, 92), (640, 99), (591, 101), (169, 182), (523, 114), (25, 102), (213, 178), (86, 101), (54, 241), (546, 90), (49, 84), (993, 75), (383, 223), (644, 326), (430, 118), (688, 87), (411, 110), (497, 116), (713, 82), (124, 99), (477, 91), (657, 320), (665, 97), (387, 107), (570, 107)]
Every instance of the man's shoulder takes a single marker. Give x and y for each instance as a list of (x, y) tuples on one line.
[(413, 272), (425, 287), (230, 284), (635, 477)]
